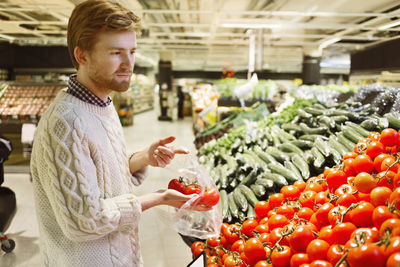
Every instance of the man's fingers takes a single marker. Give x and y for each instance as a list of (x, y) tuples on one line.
[(167, 140), (166, 151), (181, 150)]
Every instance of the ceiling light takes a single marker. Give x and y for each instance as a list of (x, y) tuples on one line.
[(329, 42), (389, 25), (7, 37)]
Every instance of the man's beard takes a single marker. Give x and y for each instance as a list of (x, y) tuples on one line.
[(109, 84)]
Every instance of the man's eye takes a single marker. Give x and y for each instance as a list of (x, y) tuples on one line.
[(115, 53), (133, 52)]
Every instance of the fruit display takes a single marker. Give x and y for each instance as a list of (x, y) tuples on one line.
[(347, 215), (26, 102)]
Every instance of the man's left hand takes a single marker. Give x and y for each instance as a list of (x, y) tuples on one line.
[(160, 154)]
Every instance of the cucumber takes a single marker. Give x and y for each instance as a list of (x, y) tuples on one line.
[(314, 111), (302, 113), (277, 154), (360, 130), (334, 143), (291, 127), (250, 178), (258, 190), (288, 147), (268, 136), (223, 177), (319, 159), (234, 183), (264, 155), (302, 165), (261, 163), (348, 114), (308, 156), (302, 143), (233, 208), (281, 170), (312, 137), (285, 135), (344, 141), (228, 216), (268, 184), (242, 216), (240, 200), (327, 121), (318, 130), (275, 137), (278, 179), (352, 135), (339, 119), (251, 212), (393, 119), (289, 165), (337, 157), (370, 124), (249, 194), (323, 147), (224, 203)]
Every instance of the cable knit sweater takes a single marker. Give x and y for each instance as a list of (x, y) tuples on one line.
[(86, 209)]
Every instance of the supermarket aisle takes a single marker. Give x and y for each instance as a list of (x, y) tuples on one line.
[(161, 246)]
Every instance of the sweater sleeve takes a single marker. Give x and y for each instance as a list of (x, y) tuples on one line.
[(138, 176), (69, 177)]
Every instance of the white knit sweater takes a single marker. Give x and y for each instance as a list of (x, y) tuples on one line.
[(86, 209)]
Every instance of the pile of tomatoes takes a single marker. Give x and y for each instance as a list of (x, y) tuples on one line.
[(347, 216), (209, 197)]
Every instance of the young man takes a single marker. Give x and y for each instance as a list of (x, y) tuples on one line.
[(83, 179)]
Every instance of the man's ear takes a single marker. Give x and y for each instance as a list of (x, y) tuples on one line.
[(80, 56)]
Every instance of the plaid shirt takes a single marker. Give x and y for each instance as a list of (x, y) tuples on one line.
[(76, 89)]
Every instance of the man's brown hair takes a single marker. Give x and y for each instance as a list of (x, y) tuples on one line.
[(93, 16)]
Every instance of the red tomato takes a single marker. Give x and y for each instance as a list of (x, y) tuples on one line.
[(277, 221), (300, 185), (345, 188), (285, 210), (335, 215), (380, 196), (394, 198), (392, 226), (392, 247), (361, 215), (261, 228), (232, 233), (385, 178), (261, 209), (369, 235), (342, 232), (335, 179), (232, 261), (320, 263), (262, 263), (350, 155), (394, 260), (374, 136), (248, 226), (378, 161), (192, 189), (196, 245), (381, 214), (210, 197), (325, 233), (238, 245), (176, 184), (254, 249), (305, 213), (364, 182), (348, 167), (317, 249), (389, 137), (276, 234), (363, 163), (316, 187), (301, 237), (366, 255), (281, 257), (306, 199), (321, 198), (335, 253), (374, 149), (346, 200), (390, 163), (213, 241), (322, 214), (290, 192), (299, 259), (276, 200)]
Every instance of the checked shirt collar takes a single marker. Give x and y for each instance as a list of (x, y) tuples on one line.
[(76, 89)]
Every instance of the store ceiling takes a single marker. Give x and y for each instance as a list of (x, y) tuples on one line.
[(214, 34)]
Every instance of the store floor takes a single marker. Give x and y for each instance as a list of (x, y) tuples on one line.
[(161, 245)]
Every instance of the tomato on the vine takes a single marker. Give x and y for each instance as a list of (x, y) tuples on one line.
[(305, 213), (392, 246), (385, 178), (317, 249), (342, 232), (254, 249), (210, 197), (381, 214), (366, 255), (374, 136), (192, 189), (393, 260), (391, 226), (261, 209), (322, 213), (391, 164), (176, 184), (301, 237), (346, 200), (389, 137), (361, 215), (299, 259), (277, 221), (380, 195), (306, 199), (348, 167), (335, 253), (335, 179), (325, 233), (394, 198), (378, 161), (349, 155), (364, 182), (374, 149), (286, 210), (248, 226), (290, 192), (363, 163), (280, 257), (275, 200)]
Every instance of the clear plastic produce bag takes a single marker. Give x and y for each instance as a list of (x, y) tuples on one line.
[(188, 220)]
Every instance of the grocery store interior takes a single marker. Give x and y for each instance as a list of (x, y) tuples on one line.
[(263, 93)]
